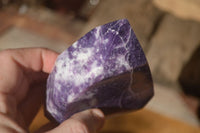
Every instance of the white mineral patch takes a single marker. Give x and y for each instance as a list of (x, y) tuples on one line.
[(58, 86), (97, 32), (52, 108), (74, 45), (84, 56), (75, 53), (60, 69), (95, 69), (129, 35), (105, 41), (122, 62), (88, 95), (70, 97), (79, 78)]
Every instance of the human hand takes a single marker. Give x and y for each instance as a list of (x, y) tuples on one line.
[(23, 74)]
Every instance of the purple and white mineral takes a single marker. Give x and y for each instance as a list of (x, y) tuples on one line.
[(104, 69)]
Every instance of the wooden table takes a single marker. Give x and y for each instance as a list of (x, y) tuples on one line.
[(143, 121)]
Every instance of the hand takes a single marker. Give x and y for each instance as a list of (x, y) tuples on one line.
[(23, 74)]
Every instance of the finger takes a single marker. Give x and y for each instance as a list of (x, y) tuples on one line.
[(16, 60), (89, 121), (7, 125), (37, 59), (47, 127), (25, 65)]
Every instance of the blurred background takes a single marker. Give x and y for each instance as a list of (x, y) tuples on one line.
[(168, 30)]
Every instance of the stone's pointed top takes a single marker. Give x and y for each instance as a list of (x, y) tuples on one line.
[(104, 69), (120, 21)]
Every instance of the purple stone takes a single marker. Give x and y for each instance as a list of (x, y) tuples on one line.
[(104, 69)]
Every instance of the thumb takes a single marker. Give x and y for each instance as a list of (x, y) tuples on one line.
[(88, 121)]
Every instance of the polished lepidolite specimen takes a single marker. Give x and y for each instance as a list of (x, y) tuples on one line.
[(104, 69)]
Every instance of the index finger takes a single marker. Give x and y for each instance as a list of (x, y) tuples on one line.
[(17, 61), (37, 59)]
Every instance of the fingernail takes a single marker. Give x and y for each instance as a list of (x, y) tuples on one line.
[(98, 113)]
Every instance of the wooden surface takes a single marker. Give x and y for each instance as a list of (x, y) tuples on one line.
[(10, 19), (143, 121)]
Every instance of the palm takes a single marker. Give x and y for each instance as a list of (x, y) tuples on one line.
[(31, 94)]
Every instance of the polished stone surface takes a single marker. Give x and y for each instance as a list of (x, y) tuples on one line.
[(104, 69)]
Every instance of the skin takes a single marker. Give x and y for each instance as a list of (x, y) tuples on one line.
[(23, 75)]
